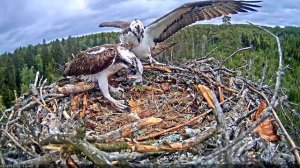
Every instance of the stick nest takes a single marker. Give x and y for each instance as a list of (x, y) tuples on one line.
[(173, 119)]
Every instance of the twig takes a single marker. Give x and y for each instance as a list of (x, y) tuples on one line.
[(176, 146), (36, 79), (207, 55), (40, 103), (159, 68), (265, 115), (41, 91), (29, 106), (16, 96), (40, 81), (17, 143), (239, 50), (177, 68), (178, 126), (236, 122), (262, 74), (98, 157), (2, 161), (125, 130), (42, 160), (128, 156), (173, 128), (213, 82), (221, 126)]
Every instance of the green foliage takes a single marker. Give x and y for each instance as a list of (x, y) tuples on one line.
[(2, 107), (38, 63), (49, 71), (226, 20), (27, 77)]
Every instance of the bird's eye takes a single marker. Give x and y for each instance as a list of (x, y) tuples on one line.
[(132, 69)]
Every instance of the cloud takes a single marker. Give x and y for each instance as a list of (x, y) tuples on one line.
[(30, 21)]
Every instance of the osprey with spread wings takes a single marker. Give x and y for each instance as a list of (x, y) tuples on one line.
[(142, 39)]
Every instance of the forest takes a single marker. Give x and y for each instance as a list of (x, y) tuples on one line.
[(17, 69)]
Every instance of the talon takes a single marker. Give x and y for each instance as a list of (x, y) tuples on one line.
[(153, 61), (121, 104), (138, 79)]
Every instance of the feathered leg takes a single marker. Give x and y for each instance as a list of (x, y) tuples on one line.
[(115, 89), (103, 85)]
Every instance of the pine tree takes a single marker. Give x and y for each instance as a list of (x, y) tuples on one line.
[(50, 71), (45, 55), (27, 77), (38, 63), (226, 20)]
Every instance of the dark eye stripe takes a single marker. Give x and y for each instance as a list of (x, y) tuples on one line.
[(133, 33), (138, 28)]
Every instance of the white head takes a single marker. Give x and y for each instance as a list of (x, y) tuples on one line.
[(137, 28)]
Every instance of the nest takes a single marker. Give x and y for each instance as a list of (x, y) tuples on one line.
[(194, 114)]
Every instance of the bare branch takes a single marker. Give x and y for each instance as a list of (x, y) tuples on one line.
[(239, 50), (221, 126), (42, 160), (16, 142)]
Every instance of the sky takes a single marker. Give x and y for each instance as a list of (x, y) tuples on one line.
[(24, 22)]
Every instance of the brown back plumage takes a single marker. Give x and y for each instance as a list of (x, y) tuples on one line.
[(161, 47), (116, 24), (92, 61)]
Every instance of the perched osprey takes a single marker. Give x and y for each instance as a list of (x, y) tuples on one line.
[(142, 39), (97, 63)]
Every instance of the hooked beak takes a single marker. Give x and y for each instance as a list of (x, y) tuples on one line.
[(132, 70), (140, 37)]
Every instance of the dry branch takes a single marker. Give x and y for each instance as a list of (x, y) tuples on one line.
[(96, 156), (234, 53), (159, 68), (213, 82), (43, 105), (266, 114), (76, 89), (173, 128), (16, 142), (221, 126), (125, 131), (42, 160), (194, 119)]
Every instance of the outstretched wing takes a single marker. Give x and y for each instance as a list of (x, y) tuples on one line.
[(189, 13), (92, 60), (116, 24), (161, 47)]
